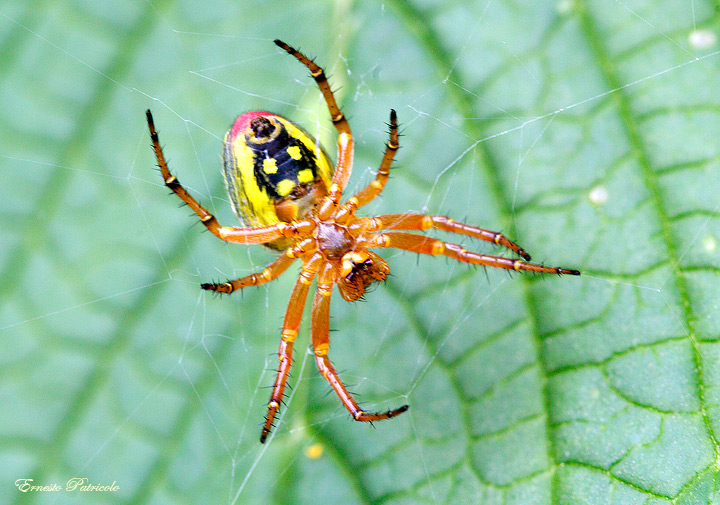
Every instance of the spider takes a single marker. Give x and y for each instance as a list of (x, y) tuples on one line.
[(287, 194)]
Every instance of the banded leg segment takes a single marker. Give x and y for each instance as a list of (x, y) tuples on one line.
[(271, 272), (321, 346), (426, 222), (428, 245), (345, 140), (290, 328), (259, 235)]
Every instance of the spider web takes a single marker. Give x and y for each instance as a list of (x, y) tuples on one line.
[(587, 132)]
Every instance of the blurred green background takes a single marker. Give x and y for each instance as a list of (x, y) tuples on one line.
[(587, 131)]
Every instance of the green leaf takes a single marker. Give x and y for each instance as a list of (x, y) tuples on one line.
[(586, 131)]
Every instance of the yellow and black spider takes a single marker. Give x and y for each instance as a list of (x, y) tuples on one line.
[(287, 195)]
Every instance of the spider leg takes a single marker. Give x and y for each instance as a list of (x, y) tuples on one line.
[(367, 194), (345, 140), (258, 235), (321, 346), (272, 271), (425, 222), (291, 325), (428, 245)]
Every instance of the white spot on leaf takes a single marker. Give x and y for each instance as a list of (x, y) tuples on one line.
[(598, 195), (702, 39)]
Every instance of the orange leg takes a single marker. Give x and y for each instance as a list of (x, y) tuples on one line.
[(373, 189), (272, 271), (345, 140), (259, 235), (425, 222), (428, 245), (321, 346), (290, 328)]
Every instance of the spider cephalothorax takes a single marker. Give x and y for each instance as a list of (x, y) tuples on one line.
[(287, 195)]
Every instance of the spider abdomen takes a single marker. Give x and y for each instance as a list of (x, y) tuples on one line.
[(274, 171)]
